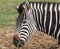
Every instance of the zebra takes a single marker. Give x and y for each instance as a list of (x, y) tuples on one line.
[(37, 16)]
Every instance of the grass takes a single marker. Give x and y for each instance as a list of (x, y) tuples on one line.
[(8, 14)]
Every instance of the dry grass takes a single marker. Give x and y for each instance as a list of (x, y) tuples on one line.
[(38, 41)]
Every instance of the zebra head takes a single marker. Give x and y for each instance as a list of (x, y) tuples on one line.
[(27, 26)]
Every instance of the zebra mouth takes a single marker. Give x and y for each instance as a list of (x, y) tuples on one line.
[(18, 43)]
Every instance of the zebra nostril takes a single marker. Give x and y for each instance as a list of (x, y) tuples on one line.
[(15, 42), (15, 39)]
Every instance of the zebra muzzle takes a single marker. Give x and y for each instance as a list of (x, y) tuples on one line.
[(18, 43)]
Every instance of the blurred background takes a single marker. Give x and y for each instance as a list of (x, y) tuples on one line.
[(8, 14)]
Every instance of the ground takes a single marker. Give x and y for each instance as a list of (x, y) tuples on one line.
[(39, 41)]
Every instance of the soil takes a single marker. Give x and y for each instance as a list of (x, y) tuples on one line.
[(40, 40)]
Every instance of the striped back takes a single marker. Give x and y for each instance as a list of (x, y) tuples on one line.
[(46, 15)]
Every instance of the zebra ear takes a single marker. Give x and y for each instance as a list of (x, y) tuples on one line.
[(26, 6), (16, 7)]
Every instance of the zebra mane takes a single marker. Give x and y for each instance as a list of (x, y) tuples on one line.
[(20, 9), (42, 2)]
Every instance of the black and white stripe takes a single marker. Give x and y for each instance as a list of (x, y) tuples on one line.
[(46, 16), (26, 30)]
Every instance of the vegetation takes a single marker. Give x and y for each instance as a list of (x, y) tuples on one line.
[(8, 14)]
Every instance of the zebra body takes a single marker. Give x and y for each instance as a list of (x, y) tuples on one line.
[(39, 16), (47, 16)]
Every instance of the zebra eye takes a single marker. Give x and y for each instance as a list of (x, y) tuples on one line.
[(24, 22)]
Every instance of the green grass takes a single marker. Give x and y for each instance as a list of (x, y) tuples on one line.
[(8, 14)]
